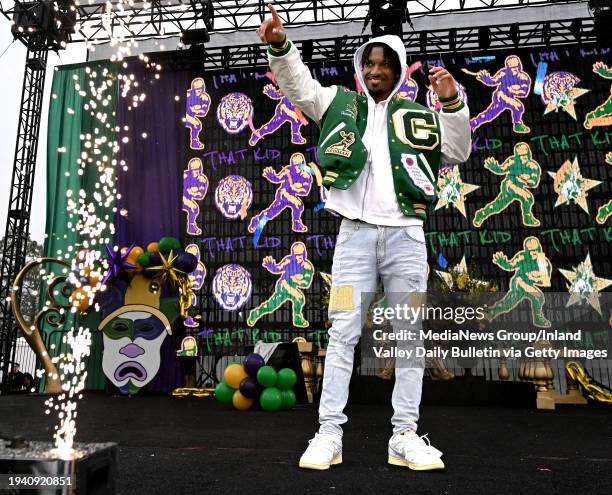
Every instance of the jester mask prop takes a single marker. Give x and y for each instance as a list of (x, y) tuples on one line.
[(145, 300)]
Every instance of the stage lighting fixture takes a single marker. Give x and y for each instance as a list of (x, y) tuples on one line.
[(423, 41), (225, 57), (30, 17), (54, 20), (191, 58), (484, 37), (207, 12), (576, 29), (600, 4), (603, 33), (602, 18), (452, 39), (307, 48), (253, 54), (515, 34), (195, 36), (66, 16), (388, 16), (546, 33), (338, 46)]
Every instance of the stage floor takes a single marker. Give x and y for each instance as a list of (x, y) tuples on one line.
[(188, 445)]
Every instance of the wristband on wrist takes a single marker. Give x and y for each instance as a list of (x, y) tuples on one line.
[(279, 49), (279, 46), (452, 103)]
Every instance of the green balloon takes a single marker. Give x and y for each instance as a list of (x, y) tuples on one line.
[(144, 259), (167, 244), (224, 393), (287, 399), (266, 376), (271, 399), (286, 379)]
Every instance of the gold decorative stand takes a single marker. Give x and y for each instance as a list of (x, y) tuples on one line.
[(540, 373), (53, 313), (313, 360)]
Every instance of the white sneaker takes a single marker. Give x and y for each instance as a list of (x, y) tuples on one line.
[(410, 450), (324, 450)]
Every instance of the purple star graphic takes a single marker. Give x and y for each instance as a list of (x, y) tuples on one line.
[(116, 262)]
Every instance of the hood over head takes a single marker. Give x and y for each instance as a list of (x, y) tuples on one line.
[(397, 45)]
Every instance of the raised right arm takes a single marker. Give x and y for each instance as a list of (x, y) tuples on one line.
[(292, 76), (297, 83)]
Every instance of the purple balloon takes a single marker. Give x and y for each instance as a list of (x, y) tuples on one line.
[(252, 363), (186, 262), (249, 388), (155, 259)]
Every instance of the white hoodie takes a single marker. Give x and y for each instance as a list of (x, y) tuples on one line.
[(372, 197)]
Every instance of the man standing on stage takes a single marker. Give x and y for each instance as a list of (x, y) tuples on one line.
[(380, 155)]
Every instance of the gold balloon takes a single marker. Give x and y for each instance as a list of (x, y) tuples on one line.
[(153, 247), (234, 374), (241, 402), (132, 258), (80, 299), (95, 278), (136, 251)]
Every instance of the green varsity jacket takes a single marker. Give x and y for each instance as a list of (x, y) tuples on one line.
[(414, 146)]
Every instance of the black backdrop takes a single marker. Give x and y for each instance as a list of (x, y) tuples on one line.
[(567, 233)]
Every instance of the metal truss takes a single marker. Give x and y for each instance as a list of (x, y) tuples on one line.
[(160, 18), (20, 200), (569, 31), (96, 22)]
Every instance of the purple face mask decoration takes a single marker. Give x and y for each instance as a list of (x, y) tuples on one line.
[(235, 112), (232, 286), (233, 196)]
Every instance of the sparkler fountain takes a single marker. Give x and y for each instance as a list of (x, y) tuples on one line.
[(66, 466)]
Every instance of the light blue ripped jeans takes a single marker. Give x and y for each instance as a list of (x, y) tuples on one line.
[(364, 254)]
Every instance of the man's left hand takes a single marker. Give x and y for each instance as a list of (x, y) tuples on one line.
[(442, 82)]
